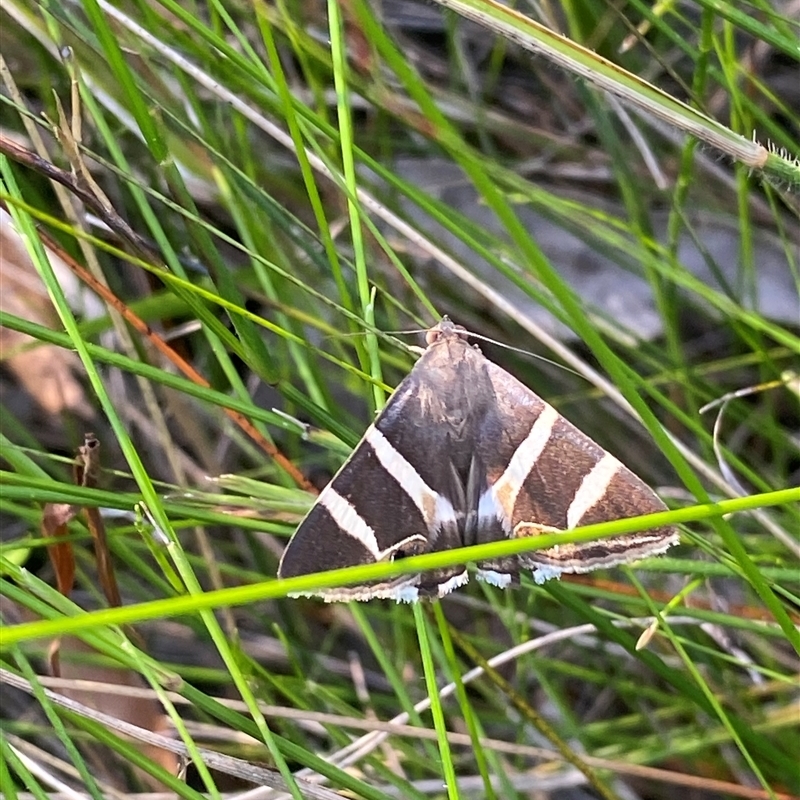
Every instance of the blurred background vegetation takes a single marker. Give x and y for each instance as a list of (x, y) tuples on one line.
[(217, 218)]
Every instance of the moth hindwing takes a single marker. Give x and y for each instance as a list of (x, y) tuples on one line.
[(463, 454)]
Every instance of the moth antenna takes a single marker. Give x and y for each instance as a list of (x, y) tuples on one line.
[(407, 332), (523, 352), (386, 335), (381, 332)]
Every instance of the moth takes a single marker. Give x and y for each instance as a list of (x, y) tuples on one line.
[(463, 454)]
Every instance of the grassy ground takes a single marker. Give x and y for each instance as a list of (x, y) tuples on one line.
[(254, 199)]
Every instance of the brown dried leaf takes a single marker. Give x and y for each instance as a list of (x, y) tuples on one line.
[(56, 517), (77, 662), (54, 525), (97, 685), (48, 373)]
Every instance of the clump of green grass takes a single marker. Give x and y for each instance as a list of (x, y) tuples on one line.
[(279, 187)]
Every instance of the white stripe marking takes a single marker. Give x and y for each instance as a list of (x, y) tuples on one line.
[(349, 520), (592, 488), (436, 510), (503, 493)]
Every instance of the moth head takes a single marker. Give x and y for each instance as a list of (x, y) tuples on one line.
[(446, 329)]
